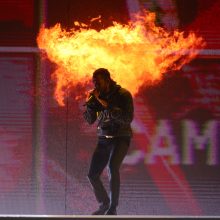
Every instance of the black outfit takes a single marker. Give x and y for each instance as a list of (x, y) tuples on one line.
[(114, 134)]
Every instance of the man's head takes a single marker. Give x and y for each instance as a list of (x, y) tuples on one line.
[(101, 79)]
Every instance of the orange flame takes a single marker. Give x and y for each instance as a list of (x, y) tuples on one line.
[(135, 54)]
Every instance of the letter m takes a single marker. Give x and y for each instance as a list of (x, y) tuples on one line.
[(192, 138)]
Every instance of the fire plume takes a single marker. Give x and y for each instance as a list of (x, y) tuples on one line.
[(136, 53)]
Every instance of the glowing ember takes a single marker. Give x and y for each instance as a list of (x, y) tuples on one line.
[(135, 54)]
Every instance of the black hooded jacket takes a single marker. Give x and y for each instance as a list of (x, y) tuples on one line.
[(114, 120)]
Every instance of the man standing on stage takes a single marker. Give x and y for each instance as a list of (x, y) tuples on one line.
[(112, 106)]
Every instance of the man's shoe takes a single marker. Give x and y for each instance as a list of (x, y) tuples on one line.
[(111, 211), (101, 211)]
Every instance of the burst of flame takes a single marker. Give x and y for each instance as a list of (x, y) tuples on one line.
[(135, 54)]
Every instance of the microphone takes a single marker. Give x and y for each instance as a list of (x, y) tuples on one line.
[(91, 98)]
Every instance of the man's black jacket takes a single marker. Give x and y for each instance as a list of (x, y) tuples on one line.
[(114, 120)]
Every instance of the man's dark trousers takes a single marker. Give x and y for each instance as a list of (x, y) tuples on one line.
[(109, 151)]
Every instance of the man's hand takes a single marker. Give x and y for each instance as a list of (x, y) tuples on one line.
[(101, 101)]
